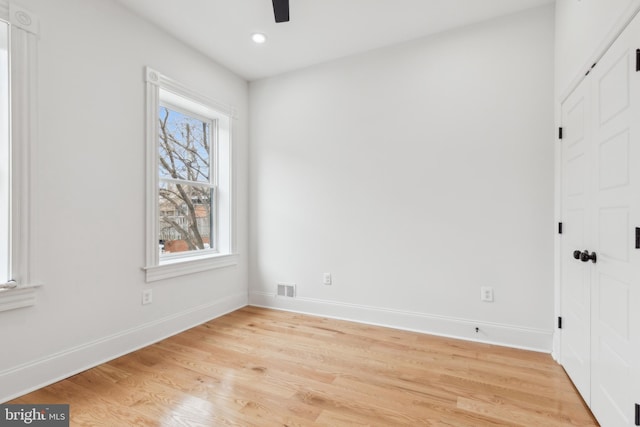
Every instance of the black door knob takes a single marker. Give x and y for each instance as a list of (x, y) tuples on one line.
[(577, 254), (586, 256)]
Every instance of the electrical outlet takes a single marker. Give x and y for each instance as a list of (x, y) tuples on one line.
[(326, 278), (486, 294), (147, 296)]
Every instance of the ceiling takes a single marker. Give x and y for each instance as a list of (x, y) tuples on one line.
[(319, 30)]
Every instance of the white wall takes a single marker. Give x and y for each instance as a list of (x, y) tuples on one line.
[(414, 174), (584, 28), (89, 191)]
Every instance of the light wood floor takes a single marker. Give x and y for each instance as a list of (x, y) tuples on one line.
[(259, 367)]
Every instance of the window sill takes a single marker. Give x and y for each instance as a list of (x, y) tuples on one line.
[(23, 296), (180, 267)]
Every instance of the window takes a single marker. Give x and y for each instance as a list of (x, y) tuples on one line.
[(18, 43), (189, 164), (187, 190), (5, 153)]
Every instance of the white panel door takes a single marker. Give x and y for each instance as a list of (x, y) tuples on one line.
[(600, 291), (614, 210), (575, 291)]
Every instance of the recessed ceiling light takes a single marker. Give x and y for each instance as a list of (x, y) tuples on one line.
[(258, 38)]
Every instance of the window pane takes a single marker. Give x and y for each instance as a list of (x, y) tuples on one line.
[(184, 146), (185, 218)]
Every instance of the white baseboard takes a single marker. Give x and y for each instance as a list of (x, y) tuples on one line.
[(555, 352), (42, 372), (491, 333)]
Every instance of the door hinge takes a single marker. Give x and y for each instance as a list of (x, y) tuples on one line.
[(637, 60), (637, 414), (637, 237), (559, 322), (559, 228), (559, 133)]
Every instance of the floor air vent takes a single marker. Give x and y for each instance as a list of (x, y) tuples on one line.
[(288, 291)]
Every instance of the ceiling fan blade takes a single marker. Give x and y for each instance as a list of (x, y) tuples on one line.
[(281, 10)]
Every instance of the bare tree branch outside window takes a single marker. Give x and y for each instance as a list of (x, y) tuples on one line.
[(186, 191)]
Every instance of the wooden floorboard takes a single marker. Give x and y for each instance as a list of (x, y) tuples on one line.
[(261, 367)]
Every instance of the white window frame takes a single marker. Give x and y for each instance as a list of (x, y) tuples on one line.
[(162, 90), (20, 291)]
